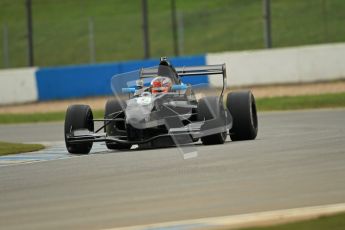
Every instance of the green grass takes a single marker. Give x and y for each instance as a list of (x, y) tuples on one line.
[(39, 117), (302, 102), (334, 222), (7, 148), (31, 117), (263, 104), (61, 27)]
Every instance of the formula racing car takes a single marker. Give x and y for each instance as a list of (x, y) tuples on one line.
[(153, 108)]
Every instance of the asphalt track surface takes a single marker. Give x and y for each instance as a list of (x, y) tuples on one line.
[(297, 160)]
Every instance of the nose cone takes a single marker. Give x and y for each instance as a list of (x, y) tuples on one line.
[(135, 120), (138, 114)]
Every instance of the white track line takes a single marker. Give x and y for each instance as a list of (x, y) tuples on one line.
[(247, 220)]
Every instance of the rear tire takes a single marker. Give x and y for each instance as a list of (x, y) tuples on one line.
[(78, 117), (242, 108), (210, 108), (113, 106)]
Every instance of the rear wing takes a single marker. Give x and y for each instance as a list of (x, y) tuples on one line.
[(192, 71), (201, 70)]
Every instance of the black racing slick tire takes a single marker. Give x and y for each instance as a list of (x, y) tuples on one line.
[(113, 106), (242, 108), (210, 108), (78, 117)]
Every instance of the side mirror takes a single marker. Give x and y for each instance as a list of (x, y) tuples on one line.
[(179, 87), (128, 90)]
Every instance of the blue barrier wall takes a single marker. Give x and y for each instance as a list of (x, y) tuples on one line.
[(94, 80)]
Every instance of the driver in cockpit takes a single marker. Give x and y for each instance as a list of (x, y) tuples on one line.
[(158, 84), (161, 85)]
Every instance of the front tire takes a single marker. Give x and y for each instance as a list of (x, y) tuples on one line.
[(210, 108), (113, 106), (78, 117), (242, 108)]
